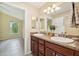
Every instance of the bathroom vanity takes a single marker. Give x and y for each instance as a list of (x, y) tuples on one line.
[(44, 46)]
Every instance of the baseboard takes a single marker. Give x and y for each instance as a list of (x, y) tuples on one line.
[(26, 53)]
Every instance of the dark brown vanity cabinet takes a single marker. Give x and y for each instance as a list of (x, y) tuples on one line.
[(37, 46), (40, 47)]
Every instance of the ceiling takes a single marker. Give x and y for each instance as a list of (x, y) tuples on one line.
[(43, 5), (65, 6), (12, 11), (37, 4)]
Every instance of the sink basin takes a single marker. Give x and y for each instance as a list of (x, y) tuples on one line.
[(38, 34), (62, 39)]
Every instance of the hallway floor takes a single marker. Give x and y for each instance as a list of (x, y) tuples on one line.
[(12, 47)]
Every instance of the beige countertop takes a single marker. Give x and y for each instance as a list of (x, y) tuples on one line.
[(74, 45)]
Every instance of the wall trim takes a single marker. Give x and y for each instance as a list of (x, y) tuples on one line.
[(26, 53)]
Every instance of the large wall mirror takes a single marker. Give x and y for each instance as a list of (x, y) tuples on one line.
[(38, 24)]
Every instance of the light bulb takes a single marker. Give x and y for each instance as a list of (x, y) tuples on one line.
[(33, 18), (45, 11), (57, 8), (52, 10), (53, 6), (49, 8)]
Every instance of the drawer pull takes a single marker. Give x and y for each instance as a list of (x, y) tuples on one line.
[(41, 49), (53, 53)]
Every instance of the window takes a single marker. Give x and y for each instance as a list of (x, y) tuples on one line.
[(13, 27)]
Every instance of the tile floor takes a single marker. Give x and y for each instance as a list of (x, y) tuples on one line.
[(12, 47)]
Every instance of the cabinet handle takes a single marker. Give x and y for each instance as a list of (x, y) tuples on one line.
[(53, 53), (40, 49)]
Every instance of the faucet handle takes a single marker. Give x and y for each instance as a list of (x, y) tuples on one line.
[(56, 34)]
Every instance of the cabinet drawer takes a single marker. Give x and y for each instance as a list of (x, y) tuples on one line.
[(41, 48), (41, 41), (49, 52), (60, 49), (34, 38)]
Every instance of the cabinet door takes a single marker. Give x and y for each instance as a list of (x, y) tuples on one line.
[(76, 53), (34, 48), (40, 54), (41, 48), (58, 54), (49, 52)]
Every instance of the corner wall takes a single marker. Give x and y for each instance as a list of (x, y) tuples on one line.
[(4, 27)]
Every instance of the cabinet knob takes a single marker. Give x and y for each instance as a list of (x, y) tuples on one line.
[(41, 49), (53, 53)]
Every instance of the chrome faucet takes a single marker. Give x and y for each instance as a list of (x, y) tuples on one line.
[(63, 34)]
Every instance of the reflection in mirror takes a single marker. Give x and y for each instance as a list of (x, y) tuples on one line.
[(42, 23), (33, 23), (59, 24), (49, 22)]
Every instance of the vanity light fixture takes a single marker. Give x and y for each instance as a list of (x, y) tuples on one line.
[(51, 9)]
